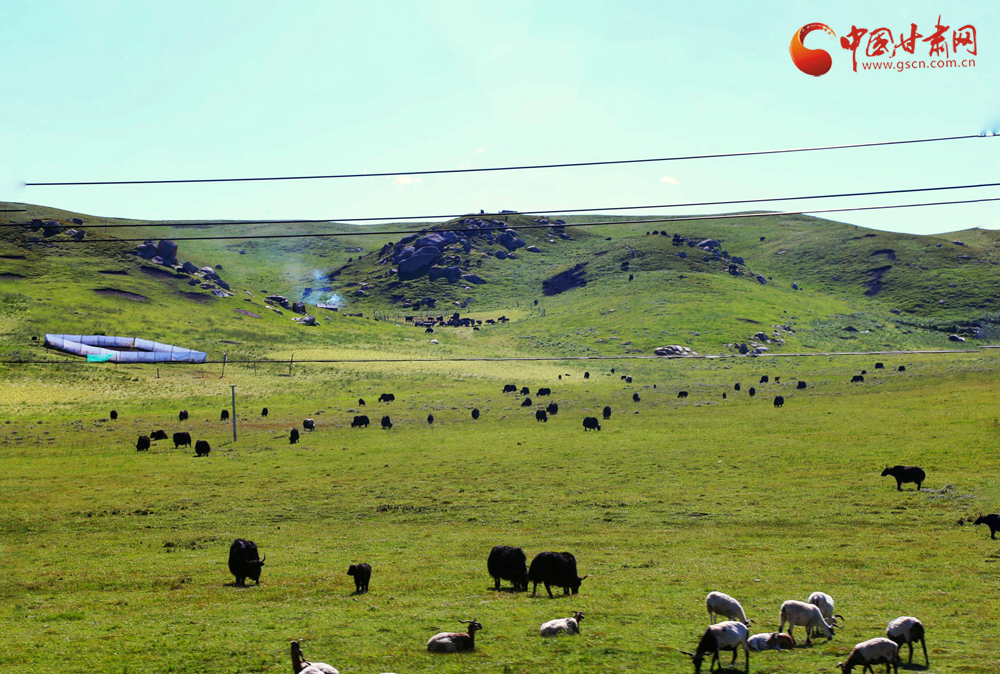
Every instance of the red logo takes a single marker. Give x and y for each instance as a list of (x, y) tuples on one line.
[(813, 62)]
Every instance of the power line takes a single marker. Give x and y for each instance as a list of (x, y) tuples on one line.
[(647, 221), (525, 167), (559, 211)]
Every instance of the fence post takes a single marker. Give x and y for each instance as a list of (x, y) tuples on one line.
[(234, 412)]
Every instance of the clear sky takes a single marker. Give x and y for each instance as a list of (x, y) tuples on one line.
[(143, 90)]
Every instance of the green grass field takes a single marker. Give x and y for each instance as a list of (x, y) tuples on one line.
[(115, 561)]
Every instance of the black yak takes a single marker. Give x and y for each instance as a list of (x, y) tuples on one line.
[(905, 475), (508, 563), (362, 575), (244, 561), (554, 568)]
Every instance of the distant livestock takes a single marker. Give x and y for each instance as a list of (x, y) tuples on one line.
[(361, 402), (455, 642), (806, 615), (907, 630), (224, 416), (877, 651), (992, 521), (591, 424), (544, 392), (628, 379), (183, 415), (509, 388), (864, 372), (293, 437), (244, 561), (114, 415), (905, 475), (635, 397), (308, 424), (552, 408), (359, 421), (727, 636), (386, 398), (901, 368), (586, 375), (475, 412), (879, 366), (800, 385), (362, 576), (607, 411), (554, 569), (540, 415), (158, 435), (752, 391), (526, 402), (777, 380), (763, 380), (202, 448), (736, 386), (430, 418), (779, 401), (857, 378), (724, 395), (770, 641), (559, 626), (623, 378), (301, 666), (386, 422), (182, 439), (263, 412), (525, 390), (142, 444), (682, 394), (508, 563)]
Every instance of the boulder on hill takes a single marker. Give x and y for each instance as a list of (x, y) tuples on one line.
[(168, 251), (299, 307), (189, 268), (674, 350), (452, 273), (501, 254), (509, 240), (761, 279), (533, 249), (147, 250), (279, 300), (418, 263), (473, 278), (709, 243), (305, 320)]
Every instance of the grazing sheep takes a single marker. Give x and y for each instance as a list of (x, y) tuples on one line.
[(727, 636), (114, 415), (455, 642), (770, 641), (224, 416), (430, 418), (635, 397), (263, 412), (682, 394), (905, 475), (300, 666), (825, 604), (719, 603), (309, 424), (807, 615), (362, 575), (386, 422), (906, 630), (607, 411), (875, 651), (992, 521), (293, 437), (562, 625)]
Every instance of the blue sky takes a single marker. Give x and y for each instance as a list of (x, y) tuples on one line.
[(142, 90)]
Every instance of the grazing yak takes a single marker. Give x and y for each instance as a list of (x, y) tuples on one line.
[(359, 421), (591, 424), (763, 380), (552, 408), (554, 568), (540, 415), (779, 401), (308, 425), (736, 386), (361, 402), (202, 448), (607, 411), (114, 415), (857, 378), (475, 412), (800, 385), (182, 439), (509, 388), (143, 444), (508, 563), (244, 561), (992, 521), (386, 422), (525, 390), (224, 416), (901, 368), (430, 418), (682, 394), (628, 379), (158, 435), (263, 412), (586, 375), (544, 392), (527, 402), (905, 475), (635, 397), (386, 398), (362, 575), (293, 437), (752, 391), (183, 415), (879, 366)]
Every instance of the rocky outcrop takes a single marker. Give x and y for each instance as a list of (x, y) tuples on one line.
[(563, 281), (674, 350)]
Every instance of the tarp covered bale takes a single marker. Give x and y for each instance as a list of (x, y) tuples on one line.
[(138, 350)]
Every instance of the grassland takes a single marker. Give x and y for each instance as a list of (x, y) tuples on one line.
[(116, 560)]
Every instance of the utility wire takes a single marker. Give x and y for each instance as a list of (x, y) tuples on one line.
[(525, 167), (691, 218), (560, 211)]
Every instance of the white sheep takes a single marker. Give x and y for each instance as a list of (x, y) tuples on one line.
[(770, 641), (300, 666), (455, 642), (875, 651), (825, 604), (562, 625), (726, 636), (807, 615), (724, 605), (906, 630)]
